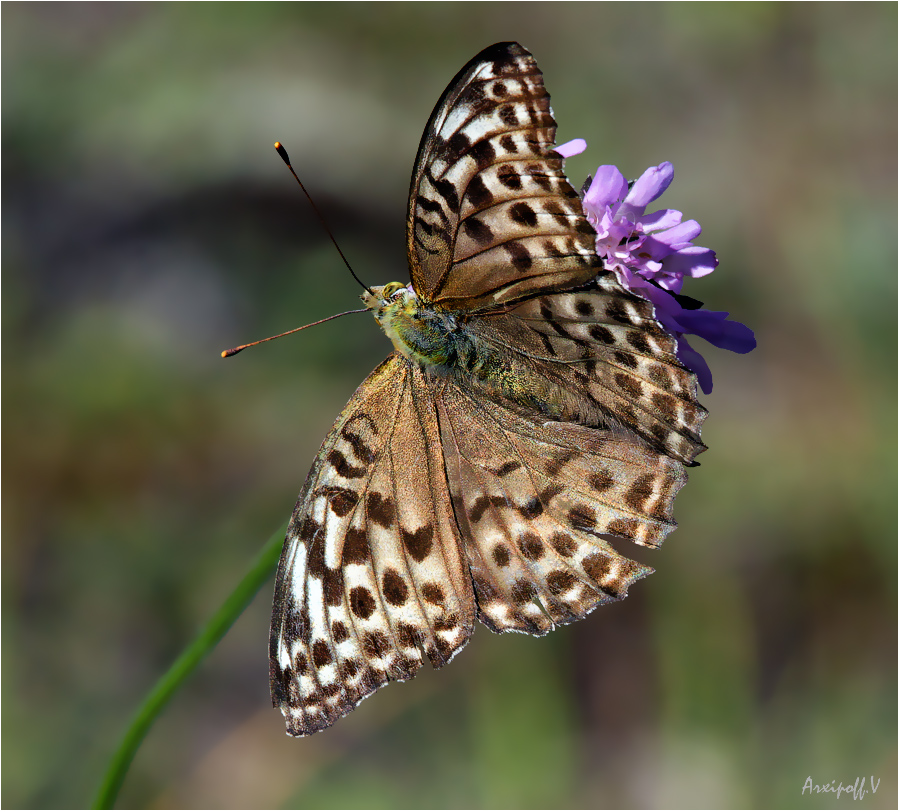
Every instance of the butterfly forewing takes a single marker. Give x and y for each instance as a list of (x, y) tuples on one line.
[(616, 364), (492, 217)]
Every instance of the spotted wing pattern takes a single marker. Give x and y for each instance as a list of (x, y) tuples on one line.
[(532, 501), (610, 355), (492, 217), (371, 580), (432, 502)]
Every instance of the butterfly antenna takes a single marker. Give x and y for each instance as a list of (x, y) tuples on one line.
[(284, 157), (236, 350)]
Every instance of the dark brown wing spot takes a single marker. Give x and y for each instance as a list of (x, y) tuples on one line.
[(408, 635), (321, 654), (551, 249), (341, 500), (629, 385), (616, 311), (484, 589), (456, 146), (601, 481), (639, 492), (375, 644), (339, 462), (554, 466), (446, 624), (508, 115), (309, 529), (523, 591), (356, 547), (639, 341), (394, 588), (563, 544), (361, 451), (602, 334), (584, 308), (478, 192), (531, 545), (483, 152), (477, 230), (499, 90), (433, 594), (523, 214), (333, 587), (418, 543), (624, 527), (448, 191), (329, 691), (597, 566), (380, 509), (550, 492), (625, 359), (518, 255), (560, 581), (315, 566), (479, 506), (659, 374), (301, 666), (508, 468), (361, 602), (501, 555), (339, 631), (665, 403), (404, 668), (508, 143), (559, 214), (582, 516), (540, 177), (532, 508), (508, 176), (349, 669)]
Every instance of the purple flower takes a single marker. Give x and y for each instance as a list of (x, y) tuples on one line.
[(651, 254)]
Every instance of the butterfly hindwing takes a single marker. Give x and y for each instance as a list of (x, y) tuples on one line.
[(371, 580), (492, 216), (532, 500)]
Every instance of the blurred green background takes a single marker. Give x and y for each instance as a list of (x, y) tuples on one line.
[(148, 224)]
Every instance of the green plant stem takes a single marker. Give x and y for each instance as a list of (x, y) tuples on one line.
[(221, 622)]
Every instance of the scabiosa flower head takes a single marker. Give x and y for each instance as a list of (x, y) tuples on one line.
[(651, 254)]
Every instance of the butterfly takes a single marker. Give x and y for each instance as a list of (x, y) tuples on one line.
[(531, 406)]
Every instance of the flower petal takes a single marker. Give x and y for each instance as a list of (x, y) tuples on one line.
[(650, 186), (682, 233), (659, 220), (696, 363), (692, 260), (574, 147), (608, 187), (717, 329)]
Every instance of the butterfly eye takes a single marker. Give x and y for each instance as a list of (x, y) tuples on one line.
[(392, 291)]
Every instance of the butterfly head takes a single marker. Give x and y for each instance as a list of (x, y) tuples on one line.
[(416, 330)]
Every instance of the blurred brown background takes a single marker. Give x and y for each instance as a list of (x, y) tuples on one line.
[(148, 224)]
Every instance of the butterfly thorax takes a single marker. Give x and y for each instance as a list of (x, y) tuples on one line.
[(420, 333), (442, 344)]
